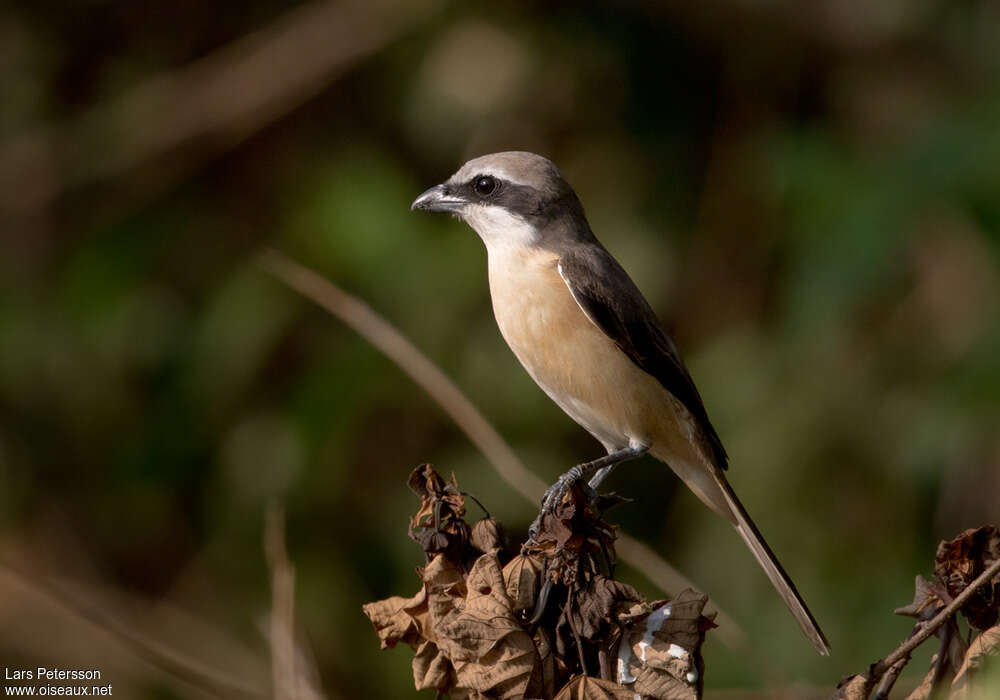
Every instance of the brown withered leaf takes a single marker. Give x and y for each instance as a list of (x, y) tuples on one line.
[(573, 534), (957, 648), (926, 602), (941, 672), (926, 687), (483, 617), (556, 531), (432, 541), (399, 619), (486, 535), (438, 526), (468, 624), (985, 645), (491, 652), (428, 485), (565, 526), (546, 683), (587, 688), (599, 603), (445, 586), (465, 694), (522, 579), (852, 688), (432, 669), (959, 561), (660, 653)]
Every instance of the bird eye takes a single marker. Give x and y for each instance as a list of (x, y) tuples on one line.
[(485, 185)]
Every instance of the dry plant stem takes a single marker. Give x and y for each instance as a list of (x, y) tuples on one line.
[(932, 626), (380, 333), (889, 679), (572, 627), (167, 659), (282, 623), (398, 348), (941, 663), (892, 674)]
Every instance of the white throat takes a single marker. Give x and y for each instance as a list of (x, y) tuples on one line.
[(499, 229)]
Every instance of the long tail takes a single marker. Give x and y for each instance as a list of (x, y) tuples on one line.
[(765, 557)]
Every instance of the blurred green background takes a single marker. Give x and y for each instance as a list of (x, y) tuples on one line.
[(809, 195)]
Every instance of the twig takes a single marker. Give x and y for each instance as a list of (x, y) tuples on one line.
[(931, 627), (568, 612), (889, 679), (892, 674), (398, 348), (884, 671), (283, 671), (948, 631), (380, 333)]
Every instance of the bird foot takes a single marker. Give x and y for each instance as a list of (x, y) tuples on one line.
[(556, 492)]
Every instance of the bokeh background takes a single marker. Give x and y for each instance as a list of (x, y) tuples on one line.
[(808, 193)]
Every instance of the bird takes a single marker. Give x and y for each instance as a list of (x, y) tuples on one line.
[(585, 334)]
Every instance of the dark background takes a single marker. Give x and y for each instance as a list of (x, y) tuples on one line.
[(807, 194)]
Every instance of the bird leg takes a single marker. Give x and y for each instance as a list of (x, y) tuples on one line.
[(598, 469)]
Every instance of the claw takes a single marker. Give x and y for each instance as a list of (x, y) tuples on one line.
[(581, 472), (533, 530)]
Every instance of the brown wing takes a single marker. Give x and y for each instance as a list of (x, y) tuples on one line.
[(610, 299)]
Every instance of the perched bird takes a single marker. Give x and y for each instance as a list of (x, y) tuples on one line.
[(589, 339)]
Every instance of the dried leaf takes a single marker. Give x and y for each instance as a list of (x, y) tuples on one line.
[(435, 493), (599, 603), (943, 668), (431, 541), (521, 578), (926, 687), (504, 673), (545, 685), (985, 645), (465, 694), (558, 529), (485, 535), (956, 648), (926, 602), (852, 688), (398, 619), (445, 585), (556, 532), (489, 648), (468, 622), (660, 653), (941, 672), (959, 561), (432, 669), (573, 539), (482, 618), (587, 688), (438, 526)]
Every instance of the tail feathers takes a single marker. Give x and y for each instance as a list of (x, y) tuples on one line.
[(779, 579)]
